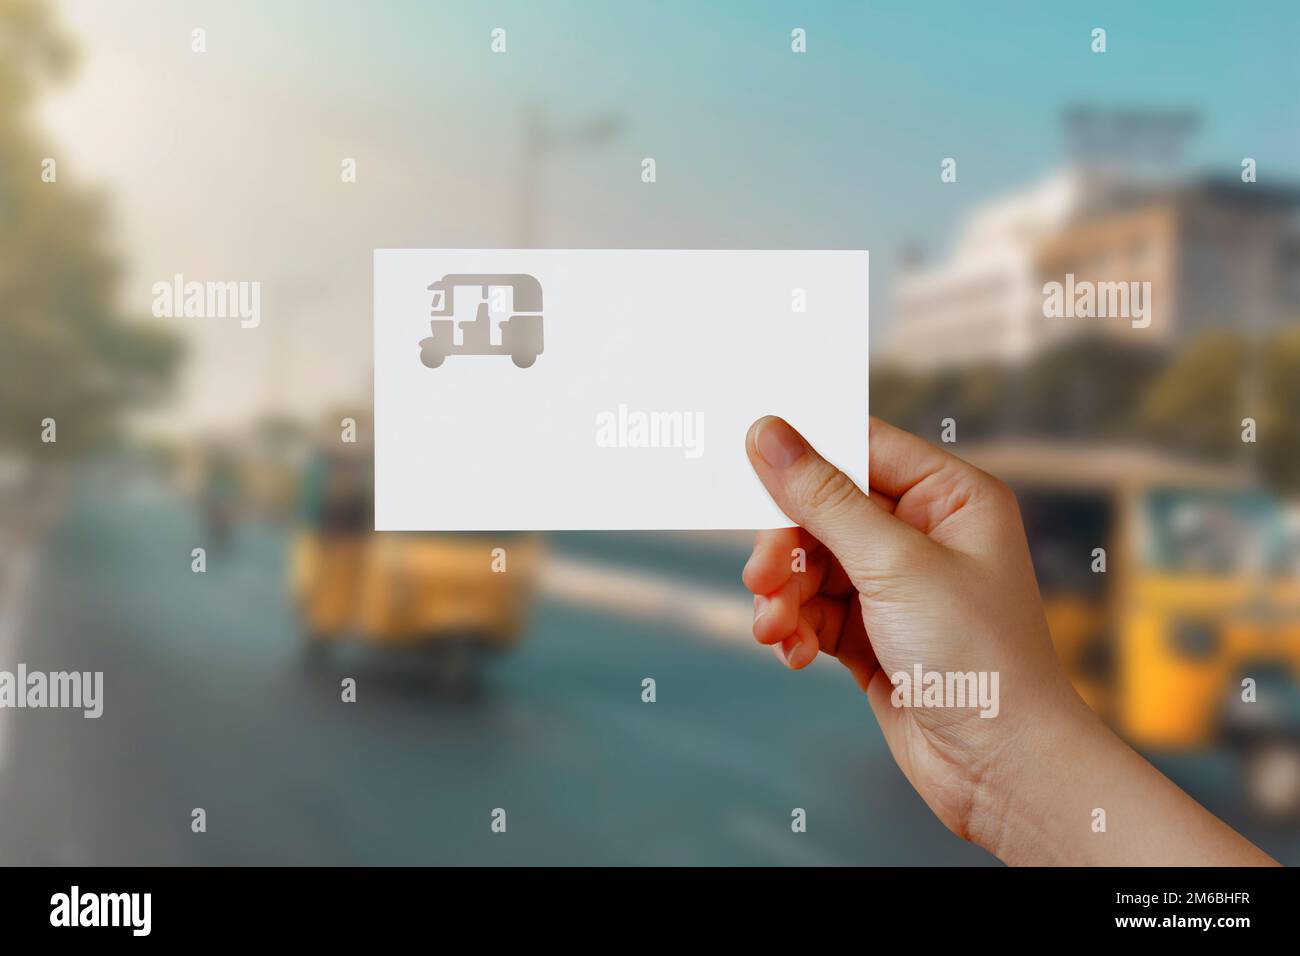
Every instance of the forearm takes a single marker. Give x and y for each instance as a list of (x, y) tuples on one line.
[(1072, 793)]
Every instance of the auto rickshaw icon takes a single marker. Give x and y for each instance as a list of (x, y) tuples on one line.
[(521, 334)]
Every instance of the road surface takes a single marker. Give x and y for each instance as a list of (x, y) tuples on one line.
[(208, 705)]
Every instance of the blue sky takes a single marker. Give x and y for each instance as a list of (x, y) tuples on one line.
[(846, 139), (227, 163), (836, 148)]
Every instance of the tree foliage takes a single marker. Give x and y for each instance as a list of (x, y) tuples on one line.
[(66, 351), (1190, 401), (1199, 403)]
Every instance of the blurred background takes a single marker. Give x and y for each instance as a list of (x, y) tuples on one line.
[(523, 690)]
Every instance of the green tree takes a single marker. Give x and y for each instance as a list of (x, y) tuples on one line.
[(1198, 404), (66, 351), (918, 401), (896, 395), (1086, 388), (1195, 406), (1280, 422)]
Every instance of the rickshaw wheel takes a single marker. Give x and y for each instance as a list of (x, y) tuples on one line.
[(523, 361), (1272, 780), (431, 359)]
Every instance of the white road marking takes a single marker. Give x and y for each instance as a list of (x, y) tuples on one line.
[(713, 612)]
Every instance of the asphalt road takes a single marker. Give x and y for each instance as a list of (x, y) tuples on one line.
[(207, 704)]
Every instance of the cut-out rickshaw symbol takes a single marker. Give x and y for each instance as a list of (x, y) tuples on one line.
[(521, 334)]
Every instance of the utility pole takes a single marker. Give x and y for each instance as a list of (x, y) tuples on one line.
[(539, 138)]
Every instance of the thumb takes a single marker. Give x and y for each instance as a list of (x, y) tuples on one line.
[(867, 540)]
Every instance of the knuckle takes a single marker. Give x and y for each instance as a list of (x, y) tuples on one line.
[(1002, 493), (829, 490), (907, 551)]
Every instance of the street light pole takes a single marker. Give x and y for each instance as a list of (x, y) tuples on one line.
[(539, 138)]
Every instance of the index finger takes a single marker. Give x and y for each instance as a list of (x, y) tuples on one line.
[(771, 564), (900, 460)]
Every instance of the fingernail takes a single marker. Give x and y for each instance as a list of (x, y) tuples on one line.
[(777, 443), (787, 649), (761, 604)]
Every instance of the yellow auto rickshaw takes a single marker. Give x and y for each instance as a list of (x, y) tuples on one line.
[(1185, 632), (455, 595)]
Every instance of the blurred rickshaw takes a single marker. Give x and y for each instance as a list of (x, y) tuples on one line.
[(1201, 591), (441, 593), (219, 496)]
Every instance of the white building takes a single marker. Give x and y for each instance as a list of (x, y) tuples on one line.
[(1211, 251), (985, 302)]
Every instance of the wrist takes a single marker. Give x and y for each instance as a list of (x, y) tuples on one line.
[(1016, 806)]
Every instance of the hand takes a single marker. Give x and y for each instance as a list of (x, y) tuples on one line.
[(932, 569)]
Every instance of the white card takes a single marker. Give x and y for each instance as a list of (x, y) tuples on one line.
[(607, 389)]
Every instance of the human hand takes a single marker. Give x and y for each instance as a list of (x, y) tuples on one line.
[(932, 568)]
